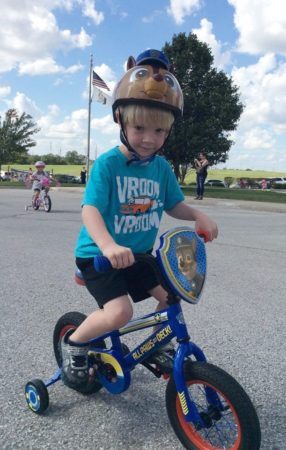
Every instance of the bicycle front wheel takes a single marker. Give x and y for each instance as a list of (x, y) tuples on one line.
[(229, 418), (35, 203), (47, 203)]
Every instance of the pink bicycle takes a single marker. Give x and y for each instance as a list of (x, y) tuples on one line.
[(43, 200)]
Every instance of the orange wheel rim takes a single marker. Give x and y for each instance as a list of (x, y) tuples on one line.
[(193, 435)]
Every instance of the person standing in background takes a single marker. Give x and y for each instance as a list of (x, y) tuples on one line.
[(201, 165), (83, 176)]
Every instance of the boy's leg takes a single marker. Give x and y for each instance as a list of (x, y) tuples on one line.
[(161, 296), (115, 314)]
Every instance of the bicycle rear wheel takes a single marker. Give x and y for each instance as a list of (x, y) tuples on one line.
[(229, 418), (47, 203)]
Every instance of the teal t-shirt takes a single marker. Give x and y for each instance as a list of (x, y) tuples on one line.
[(131, 199)]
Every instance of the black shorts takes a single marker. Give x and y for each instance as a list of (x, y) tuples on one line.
[(136, 280)]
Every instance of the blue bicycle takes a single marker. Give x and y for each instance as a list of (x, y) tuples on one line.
[(207, 408)]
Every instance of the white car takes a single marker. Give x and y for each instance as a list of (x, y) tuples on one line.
[(218, 183), (278, 180)]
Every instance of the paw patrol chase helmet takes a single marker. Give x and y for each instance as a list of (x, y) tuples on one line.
[(148, 81)]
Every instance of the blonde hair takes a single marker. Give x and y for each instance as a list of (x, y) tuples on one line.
[(134, 114)]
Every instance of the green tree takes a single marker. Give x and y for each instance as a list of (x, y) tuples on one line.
[(72, 157), (211, 105), (16, 133)]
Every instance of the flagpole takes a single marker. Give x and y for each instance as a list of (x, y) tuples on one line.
[(89, 114)]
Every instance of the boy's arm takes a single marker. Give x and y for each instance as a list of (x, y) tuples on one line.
[(119, 256), (204, 224)]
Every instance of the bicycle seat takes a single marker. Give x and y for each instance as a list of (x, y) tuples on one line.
[(78, 278)]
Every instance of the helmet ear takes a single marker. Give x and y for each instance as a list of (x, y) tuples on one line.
[(131, 62)]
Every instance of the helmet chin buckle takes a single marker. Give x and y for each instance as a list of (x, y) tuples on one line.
[(140, 161)]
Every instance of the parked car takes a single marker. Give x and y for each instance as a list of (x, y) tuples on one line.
[(5, 176), (64, 178), (217, 183), (281, 181)]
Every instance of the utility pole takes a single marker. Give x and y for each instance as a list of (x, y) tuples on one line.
[(88, 127)]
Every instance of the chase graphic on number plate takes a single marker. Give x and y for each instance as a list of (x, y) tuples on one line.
[(182, 257)]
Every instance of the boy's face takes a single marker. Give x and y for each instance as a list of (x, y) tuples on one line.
[(145, 140)]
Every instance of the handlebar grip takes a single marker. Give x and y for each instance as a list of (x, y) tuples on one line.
[(203, 235), (101, 263)]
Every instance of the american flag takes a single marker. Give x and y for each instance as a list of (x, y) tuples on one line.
[(97, 81)]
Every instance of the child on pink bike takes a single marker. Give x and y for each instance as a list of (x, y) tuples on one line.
[(41, 180)]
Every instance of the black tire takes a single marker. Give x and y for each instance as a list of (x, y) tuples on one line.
[(37, 396), (47, 203), (238, 411), (69, 321)]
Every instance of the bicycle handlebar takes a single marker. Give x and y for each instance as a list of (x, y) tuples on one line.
[(102, 264)]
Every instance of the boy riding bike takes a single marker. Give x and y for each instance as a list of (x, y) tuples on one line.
[(147, 100)]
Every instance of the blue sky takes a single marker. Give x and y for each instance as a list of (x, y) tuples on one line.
[(45, 53)]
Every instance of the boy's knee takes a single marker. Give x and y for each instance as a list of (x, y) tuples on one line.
[(120, 316)]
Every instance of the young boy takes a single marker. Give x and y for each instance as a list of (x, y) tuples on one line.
[(127, 192)]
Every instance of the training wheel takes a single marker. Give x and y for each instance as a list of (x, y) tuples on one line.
[(37, 396)]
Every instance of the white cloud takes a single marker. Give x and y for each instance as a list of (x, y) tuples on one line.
[(261, 24), (54, 110), (178, 9), (90, 11), (153, 16), (80, 114), (30, 32), (22, 103), (205, 34), (261, 135), (5, 91), (263, 91), (105, 125), (258, 138), (46, 66)]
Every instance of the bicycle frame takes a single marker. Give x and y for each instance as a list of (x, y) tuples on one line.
[(170, 323), (40, 200)]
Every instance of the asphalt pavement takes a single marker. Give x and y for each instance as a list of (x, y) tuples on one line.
[(239, 322)]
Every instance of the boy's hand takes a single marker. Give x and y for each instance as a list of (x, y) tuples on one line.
[(119, 256), (206, 227)]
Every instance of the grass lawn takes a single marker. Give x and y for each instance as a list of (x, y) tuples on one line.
[(255, 195), (62, 169), (216, 174), (221, 174)]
